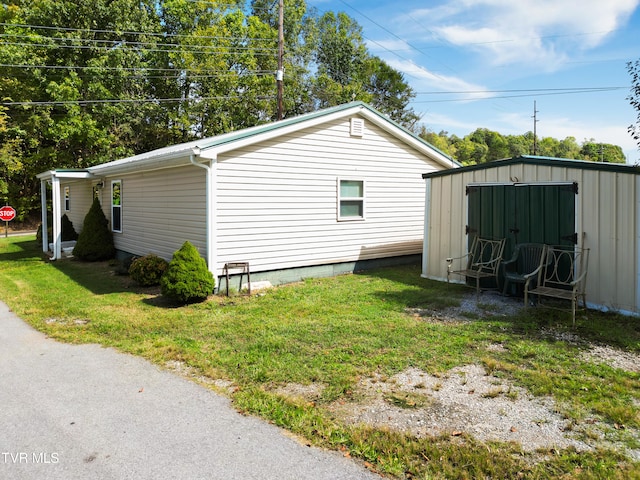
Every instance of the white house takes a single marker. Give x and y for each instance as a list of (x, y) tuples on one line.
[(543, 200), (311, 195)]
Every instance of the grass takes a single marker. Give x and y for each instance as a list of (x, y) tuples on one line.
[(334, 332)]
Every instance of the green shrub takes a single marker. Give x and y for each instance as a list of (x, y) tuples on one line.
[(187, 279), (95, 241), (148, 270), (68, 232)]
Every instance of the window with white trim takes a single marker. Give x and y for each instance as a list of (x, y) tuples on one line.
[(351, 194), (116, 206), (67, 199)]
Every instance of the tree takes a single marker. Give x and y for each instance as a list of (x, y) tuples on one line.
[(95, 241), (187, 278), (65, 55), (602, 152), (634, 98)]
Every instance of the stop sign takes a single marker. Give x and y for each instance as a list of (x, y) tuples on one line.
[(7, 213)]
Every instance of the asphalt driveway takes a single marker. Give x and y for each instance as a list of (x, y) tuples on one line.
[(83, 411)]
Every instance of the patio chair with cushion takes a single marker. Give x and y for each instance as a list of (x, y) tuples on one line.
[(482, 262), (562, 274), (526, 258)]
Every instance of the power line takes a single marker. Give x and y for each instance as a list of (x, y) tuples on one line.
[(129, 42), (532, 90), (130, 69), (214, 50), (115, 32), (533, 94), (133, 100)]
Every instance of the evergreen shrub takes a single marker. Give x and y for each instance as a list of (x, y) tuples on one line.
[(187, 279), (148, 270), (95, 241), (68, 232)]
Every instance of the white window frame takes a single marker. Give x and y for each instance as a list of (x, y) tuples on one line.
[(67, 198), (114, 207), (340, 199)]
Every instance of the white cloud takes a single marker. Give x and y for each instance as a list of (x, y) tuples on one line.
[(524, 31), (426, 80)]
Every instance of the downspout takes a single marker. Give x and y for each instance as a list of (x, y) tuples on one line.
[(210, 211)]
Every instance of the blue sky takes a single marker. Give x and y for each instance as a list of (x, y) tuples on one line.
[(572, 53)]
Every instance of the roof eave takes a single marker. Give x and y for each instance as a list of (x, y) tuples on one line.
[(79, 174), (541, 161)]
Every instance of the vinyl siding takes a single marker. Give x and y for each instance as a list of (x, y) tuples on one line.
[(277, 202), (605, 221), (161, 209)]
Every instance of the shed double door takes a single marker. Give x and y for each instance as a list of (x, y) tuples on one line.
[(523, 213)]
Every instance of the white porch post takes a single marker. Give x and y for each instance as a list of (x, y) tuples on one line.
[(43, 205), (57, 221)]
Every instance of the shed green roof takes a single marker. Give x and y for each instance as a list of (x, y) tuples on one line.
[(544, 161)]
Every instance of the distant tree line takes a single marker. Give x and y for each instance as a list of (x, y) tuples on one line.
[(484, 145)]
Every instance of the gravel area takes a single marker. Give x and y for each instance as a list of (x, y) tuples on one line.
[(467, 399)]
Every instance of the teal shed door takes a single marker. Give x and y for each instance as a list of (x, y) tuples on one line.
[(523, 213)]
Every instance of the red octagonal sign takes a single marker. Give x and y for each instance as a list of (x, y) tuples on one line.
[(7, 213)]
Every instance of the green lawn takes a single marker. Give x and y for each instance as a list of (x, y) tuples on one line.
[(333, 333)]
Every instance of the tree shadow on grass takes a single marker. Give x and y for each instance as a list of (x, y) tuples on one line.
[(21, 250)]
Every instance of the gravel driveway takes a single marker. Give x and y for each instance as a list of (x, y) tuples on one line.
[(83, 411)]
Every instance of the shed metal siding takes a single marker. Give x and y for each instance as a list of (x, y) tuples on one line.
[(606, 220), (277, 202)]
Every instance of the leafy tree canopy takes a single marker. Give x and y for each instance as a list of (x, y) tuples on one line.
[(88, 81), (484, 145), (634, 98)]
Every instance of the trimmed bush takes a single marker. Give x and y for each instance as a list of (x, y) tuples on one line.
[(95, 241), (68, 232), (148, 270), (187, 279)]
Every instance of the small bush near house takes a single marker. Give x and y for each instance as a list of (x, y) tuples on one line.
[(95, 242), (187, 280), (148, 270), (68, 232)]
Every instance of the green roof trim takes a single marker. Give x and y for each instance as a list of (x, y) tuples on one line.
[(544, 161)]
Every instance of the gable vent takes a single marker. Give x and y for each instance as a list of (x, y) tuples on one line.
[(357, 127)]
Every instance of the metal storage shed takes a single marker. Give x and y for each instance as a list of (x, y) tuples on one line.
[(546, 200)]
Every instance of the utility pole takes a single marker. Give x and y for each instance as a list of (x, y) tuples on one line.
[(280, 72), (535, 123)]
